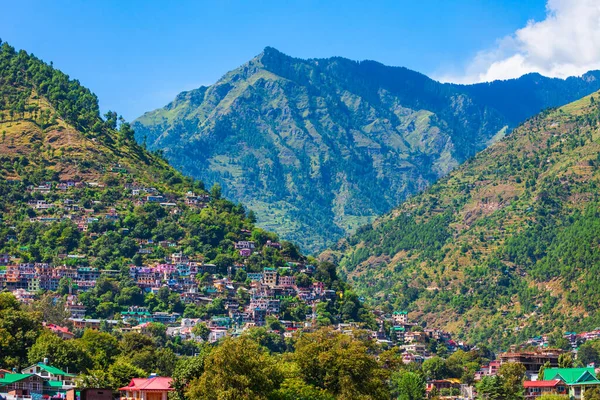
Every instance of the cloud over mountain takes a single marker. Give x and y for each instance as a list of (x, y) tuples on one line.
[(566, 43)]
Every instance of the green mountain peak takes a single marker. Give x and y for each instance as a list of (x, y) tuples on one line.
[(320, 147), (503, 248)]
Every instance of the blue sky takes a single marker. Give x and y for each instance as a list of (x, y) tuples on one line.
[(137, 55)]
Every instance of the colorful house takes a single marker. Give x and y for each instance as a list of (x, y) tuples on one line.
[(20, 385), (578, 380), (56, 379), (440, 384), (153, 388), (535, 389)]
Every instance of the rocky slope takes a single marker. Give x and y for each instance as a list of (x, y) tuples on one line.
[(504, 248), (319, 147)]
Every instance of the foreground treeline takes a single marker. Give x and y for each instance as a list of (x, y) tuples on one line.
[(260, 364)]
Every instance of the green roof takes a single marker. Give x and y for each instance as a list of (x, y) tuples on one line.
[(572, 376), (12, 378), (53, 384), (53, 370)]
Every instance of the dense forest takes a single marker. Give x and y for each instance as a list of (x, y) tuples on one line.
[(506, 246), (260, 364), (318, 148), (73, 192)]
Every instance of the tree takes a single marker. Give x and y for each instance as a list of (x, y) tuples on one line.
[(408, 386), (341, 364), (326, 273), (65, 354), (297, 389), (188, 369), (435, 368), (103, 347), (164, 361), (122, 372), (201, 330), (273, 324), (215, 191), (52, 309), (238, 369), (134, 342), (271, 341), (558, 341), (588, 352), (592, 394), (490, 388), (512, 375), (158, 333), (96, 378), (542, 370), (565, 360), (19, 331), (8, 302)]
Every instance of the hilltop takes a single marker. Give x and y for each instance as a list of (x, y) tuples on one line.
[(505, 246), (78, 189), (320, 147), (100, 234)]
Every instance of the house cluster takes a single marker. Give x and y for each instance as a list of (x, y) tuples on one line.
[(414, 340), (40, 380), (44, 381), (574, 338), (48, 209), (24, 279), (263, 293), (571, 382), (246, 247)]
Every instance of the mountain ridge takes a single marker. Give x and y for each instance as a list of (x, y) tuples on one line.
[(320, 147), (502, 249)]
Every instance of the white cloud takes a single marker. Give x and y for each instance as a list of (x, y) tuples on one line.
[(566, 43)]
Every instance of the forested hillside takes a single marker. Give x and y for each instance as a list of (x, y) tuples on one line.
[(77, 191), (56, 151), (504, 248), (320, 147)]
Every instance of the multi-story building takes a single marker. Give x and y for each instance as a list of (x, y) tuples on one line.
[(287, 281), (532, 360), (270, 277), (400, 317)]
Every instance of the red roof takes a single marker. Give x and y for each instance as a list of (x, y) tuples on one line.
[(539, 384), (157, 383), (57, 328)]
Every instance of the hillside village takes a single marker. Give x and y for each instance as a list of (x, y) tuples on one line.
[(125, 277)]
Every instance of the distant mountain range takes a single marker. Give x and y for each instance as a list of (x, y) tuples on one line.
[(504, 248), (320, 147)]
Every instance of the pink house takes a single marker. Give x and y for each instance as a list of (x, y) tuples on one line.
[(287, 281), (245, 252)]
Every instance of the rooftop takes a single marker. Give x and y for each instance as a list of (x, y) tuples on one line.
[(537, 384), (157, 383)]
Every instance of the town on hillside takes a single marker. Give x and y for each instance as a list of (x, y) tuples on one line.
[(183, 298)]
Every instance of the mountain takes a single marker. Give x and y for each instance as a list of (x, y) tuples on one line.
[(320, 147), (78, 189), (506, 247)]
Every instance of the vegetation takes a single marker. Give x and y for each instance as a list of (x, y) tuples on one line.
[(318, 148), (324, 364), (503, 246)]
